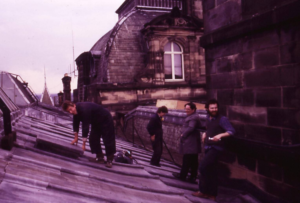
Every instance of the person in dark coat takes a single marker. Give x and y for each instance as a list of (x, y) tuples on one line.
[(190, 144), (154, 128), (101, 123), (218, 128)]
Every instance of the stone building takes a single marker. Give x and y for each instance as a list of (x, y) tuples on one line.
[(252, 56), (251, 66), (152, 53)]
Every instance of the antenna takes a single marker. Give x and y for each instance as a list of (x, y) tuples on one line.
[(45, 77), (73, 55)]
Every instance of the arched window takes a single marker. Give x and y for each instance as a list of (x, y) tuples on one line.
[(173, 62)]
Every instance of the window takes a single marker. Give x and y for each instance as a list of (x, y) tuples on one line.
[(173, 62), (94, 62)]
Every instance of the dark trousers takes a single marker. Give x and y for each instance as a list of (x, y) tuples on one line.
[(157, 146), (208, 179), (107, 132), (189, 161)]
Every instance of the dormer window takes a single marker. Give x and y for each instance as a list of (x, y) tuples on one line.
[(94, 62), (173, 62)]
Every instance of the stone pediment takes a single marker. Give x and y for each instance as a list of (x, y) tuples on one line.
[(175, 19)]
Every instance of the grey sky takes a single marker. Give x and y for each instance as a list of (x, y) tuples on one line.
[(38, 33)]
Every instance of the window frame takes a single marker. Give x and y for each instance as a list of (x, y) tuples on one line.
[(172, 53)]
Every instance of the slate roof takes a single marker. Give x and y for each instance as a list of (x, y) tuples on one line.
[(44, 167), (33, 167), (123, 46)]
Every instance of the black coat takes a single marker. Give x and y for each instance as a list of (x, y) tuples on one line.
[(90, 114), (154, 127)]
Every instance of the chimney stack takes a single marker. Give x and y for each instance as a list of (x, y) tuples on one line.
[(67, 87)]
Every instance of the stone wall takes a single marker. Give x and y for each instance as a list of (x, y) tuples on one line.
[(149, 95), (135, 129), (253, 69)]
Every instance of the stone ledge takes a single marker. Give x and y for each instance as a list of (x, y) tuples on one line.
[(57, 146), (174, 116)]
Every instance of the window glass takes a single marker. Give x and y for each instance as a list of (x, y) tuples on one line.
[(173, 63), (178, 66), (168, 47), (168, 66), (176, 47)]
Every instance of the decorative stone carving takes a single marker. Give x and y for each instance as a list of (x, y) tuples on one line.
[(180, 22)]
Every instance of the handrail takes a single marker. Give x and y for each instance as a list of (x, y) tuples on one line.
[(169, 152), (139, 136), (29, 88), (159, 3)]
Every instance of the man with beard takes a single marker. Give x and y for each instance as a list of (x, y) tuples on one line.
[(218, 128), (101, 123)]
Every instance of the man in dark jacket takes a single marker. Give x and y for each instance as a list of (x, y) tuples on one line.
[(154, 128), (101, 123), (217, 129), (190, 144)]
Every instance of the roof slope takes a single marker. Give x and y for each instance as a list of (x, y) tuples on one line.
[(44, 167), (123, 49), (100, 44), (44, 163), (128, 48)]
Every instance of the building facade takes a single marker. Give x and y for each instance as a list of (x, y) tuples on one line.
[(152, 53), (251, 66), (252, 51)]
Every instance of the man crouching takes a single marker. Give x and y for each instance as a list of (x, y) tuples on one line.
[(101, 123)]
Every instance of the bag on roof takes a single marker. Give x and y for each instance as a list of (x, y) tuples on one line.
[(124, 157)]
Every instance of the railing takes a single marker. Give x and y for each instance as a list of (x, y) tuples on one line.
[(159, 3), (175, 118), (148, 4), (28, 87)]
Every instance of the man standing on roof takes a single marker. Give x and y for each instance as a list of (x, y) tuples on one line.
[(154, 128), (101, 123), (190, 144), (217, 128)]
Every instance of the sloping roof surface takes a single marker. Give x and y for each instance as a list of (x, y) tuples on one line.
[(44, 167), (100, 44)]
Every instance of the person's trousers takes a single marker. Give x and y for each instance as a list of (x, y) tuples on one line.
[(157, 146), (208, 178), (94, 141), (189, 161), (107, 132)]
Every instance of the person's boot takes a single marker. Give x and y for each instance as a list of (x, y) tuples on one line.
[(109, 161)]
